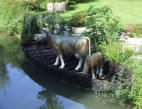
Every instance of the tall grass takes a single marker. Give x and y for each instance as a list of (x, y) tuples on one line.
[(11, 15), (133, 91)]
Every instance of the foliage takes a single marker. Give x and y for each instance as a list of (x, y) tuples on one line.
[(103, 25), (131, 92), (73, 2), (34, 22), (33, 5), (12, 52), (30, 27), (123, 92), (11, 15), (115, 52), (78, 20), (134, 30), (135, 94)]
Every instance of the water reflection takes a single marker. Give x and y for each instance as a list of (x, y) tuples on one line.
[(10, 52), (56, 94), (51, 101), (4, 79)]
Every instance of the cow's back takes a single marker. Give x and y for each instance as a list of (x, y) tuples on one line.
[(73, 45)]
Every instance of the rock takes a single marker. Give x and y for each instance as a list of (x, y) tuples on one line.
[(137, 57), (123, 37), (135, 41), (56, 32), (57, 26), (67, 28), (56, 7)]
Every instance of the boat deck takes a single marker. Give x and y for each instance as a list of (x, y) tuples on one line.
[(43, 57)]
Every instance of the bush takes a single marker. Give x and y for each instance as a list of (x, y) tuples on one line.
[(115, 52), (33, 5), (78, 20), (134, 30), (135, 94), (131, 92), (30, 27), (11, 15), (33, 22), (103, 25)]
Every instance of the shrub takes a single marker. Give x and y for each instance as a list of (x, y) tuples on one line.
[(103, 25), (78, 20), (115, 52), (131, 92), (33, 5), (134, 30), (33, 22), (135, 94), (11, 15), (30, 27)]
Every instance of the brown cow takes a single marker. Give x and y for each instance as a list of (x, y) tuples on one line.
[(94, 62), (68, 45)]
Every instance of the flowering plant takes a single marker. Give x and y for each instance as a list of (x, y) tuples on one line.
[(78, 20), (134, 30)]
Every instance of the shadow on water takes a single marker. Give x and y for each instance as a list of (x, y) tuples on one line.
[(55, 88)]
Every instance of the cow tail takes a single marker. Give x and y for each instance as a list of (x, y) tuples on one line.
[(89, 45)]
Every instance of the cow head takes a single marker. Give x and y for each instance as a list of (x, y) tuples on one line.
[(48, 33)]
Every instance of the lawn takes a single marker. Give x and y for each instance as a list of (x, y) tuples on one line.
[(130, 11)]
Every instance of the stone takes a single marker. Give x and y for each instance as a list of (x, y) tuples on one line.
[(57, 26), (56, 7), (56, 32)]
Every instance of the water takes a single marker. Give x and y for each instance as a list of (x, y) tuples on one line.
[(23, 86)]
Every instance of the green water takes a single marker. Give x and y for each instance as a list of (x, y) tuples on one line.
[(23, 86)]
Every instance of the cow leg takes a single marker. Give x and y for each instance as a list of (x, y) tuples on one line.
[(93, 73), (79, 64), (86, 68), (101, 72), (62, 62), (57, 61), (97, 70)]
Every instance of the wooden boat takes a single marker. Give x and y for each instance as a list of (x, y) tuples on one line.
[(43, 57)]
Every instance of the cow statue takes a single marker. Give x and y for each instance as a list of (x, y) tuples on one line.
[(95, 63), (68, 45)]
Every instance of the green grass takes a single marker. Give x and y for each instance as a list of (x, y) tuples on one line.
[(128, 10), (11, 13)]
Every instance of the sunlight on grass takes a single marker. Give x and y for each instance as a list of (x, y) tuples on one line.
[(128, 10)]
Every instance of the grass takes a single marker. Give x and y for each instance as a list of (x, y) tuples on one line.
[(127, 10), (133, 91), (11, 15)]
